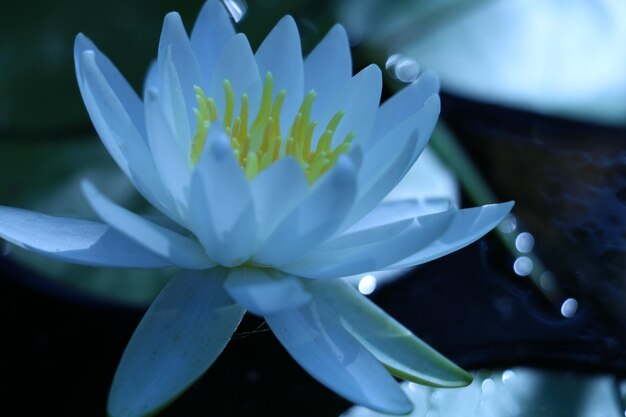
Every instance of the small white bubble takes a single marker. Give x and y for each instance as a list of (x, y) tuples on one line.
[(413, 386), (407, 70), (236, 8), (488, 386), (367, 284), (392, 61), (507, 376), (524, 242), (569, 307), (508, 224), (523, 266)]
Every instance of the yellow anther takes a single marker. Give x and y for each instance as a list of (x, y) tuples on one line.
[(266, 100), (316, 169), (258, 144), (230, 103), (308, 137), (212, 109), (236, 128), (252, 166), (267, 135), (324, 143), (244, 116), (334, 122), (278, 105)]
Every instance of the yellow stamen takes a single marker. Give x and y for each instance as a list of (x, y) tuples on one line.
[(259, 144)]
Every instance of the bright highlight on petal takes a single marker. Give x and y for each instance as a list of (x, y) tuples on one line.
[(257, 141), (273, 170)]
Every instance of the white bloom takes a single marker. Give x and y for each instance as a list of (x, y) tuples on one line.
[(264, 207)]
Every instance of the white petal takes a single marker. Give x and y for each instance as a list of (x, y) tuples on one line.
[(371, 249), (403, 104), (236, 64), (171, 159), (151, 82), (118, 84), (213, 28), (177, 249), (281, 55), (328, 67), (329, 353), (397, 210), (402, 353), (72, 240), (314, 220), (221, 209), (276, 191), (266, 291), (380, 154), (182, 333), (468, 226), (428, 181), (119, 133), (359, 97), (178, 74), (387, 162)]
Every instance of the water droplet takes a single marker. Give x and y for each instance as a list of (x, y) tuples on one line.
[(524, 242), (367, 284), (392, 61), (508, 225), (236, 8), (523, 266), (569, 307), (507, 376), (403, 68), (407, 70), (488, 386)]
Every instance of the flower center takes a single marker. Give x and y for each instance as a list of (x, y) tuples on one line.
[(259, 143)]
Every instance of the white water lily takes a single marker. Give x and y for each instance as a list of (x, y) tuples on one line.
[(270, 171)]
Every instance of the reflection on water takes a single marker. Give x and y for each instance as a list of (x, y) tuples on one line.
[(523, 266), (569, 307), (507, 376), (524, 242), (367, 284)]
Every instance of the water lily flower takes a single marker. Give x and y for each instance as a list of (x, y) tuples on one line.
[(270, 172)]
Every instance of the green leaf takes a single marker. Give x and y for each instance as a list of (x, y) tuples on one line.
[(403, 354)]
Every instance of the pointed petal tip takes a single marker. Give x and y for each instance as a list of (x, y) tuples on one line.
[(288, 20), (172, 18), (461, 377), (80, 40)]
